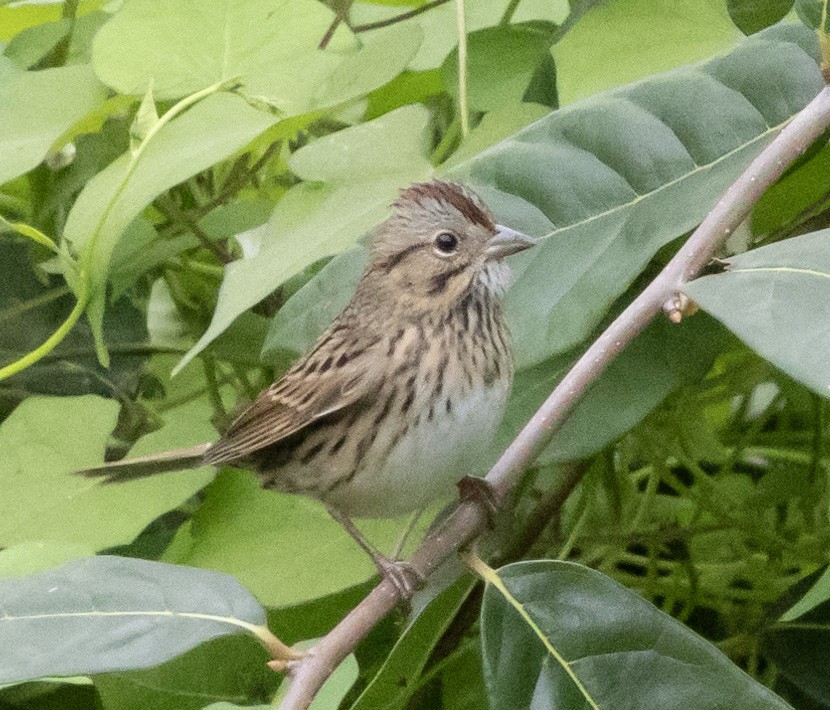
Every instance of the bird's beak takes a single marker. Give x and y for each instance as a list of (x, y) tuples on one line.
[(506, 242)]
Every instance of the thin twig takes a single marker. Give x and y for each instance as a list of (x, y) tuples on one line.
[(175, 215), (397, 18), (470, 518)]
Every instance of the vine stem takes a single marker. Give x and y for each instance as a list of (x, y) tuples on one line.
[(469, 519)]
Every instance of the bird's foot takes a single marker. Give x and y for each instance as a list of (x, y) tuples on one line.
[(477, 489), (406, 579)]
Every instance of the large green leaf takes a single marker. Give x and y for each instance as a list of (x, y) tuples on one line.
[(36, 108), (206, 134), (46, 438), (108, 613), (624, 651), (659, 361), (223, 669), (777, 300), (620, 41), (183, 46), (612, 179), (350, 178)]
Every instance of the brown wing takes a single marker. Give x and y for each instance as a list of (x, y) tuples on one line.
[(326, 381)]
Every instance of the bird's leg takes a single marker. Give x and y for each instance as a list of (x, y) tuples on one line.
[(410, 526), (402, 574)]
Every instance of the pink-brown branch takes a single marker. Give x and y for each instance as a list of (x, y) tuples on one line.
[(470, 517)]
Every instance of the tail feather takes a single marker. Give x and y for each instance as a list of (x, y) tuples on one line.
[(143, 466)]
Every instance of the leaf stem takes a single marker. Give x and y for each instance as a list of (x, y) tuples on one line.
[(489, 575), (463, 108), (509, 11)]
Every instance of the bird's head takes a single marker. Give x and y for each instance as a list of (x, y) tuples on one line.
[(441, 239)]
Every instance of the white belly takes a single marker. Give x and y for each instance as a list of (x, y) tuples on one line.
[(428, 460)]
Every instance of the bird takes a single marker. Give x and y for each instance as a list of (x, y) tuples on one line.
[(384, 413)]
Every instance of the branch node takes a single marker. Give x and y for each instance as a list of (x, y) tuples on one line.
[(679, 306)]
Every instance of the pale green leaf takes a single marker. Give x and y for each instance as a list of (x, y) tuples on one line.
[(620, 41), (187, 45), (777, 300), (47, 438), (36, 108), (29, 557), (284, 548), (352, 176), (209, 132)]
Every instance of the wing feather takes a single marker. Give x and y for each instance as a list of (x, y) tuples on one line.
[(295, 401)]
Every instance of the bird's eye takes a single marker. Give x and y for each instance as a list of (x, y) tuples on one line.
[(446, 242)]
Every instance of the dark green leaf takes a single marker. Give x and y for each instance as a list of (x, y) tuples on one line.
[(777, 300), (800, 648), (393, 683), (36, 108), (227, 669), (623, 650), (103, 614), (501, 62), (31, 310), (612, 180), (752, 16)]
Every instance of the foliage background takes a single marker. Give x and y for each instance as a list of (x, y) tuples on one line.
[(202, 247)]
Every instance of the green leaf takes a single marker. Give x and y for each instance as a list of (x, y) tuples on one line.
[(30, 557), (661, 359), (500, 62), (393, 684), (36, 108), (33, 44), (818, 594), (439, 24), (777, 300), (209, 132), (284, 548), (612, 179), (145, 120), (310, 311), (621, 41), (797, 194), (752, 16), (47, 438), (108, 613), (224, 669), (379, 61), (494, 127), (613, 641), (351, 176), (799, 650), (187, 45)]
